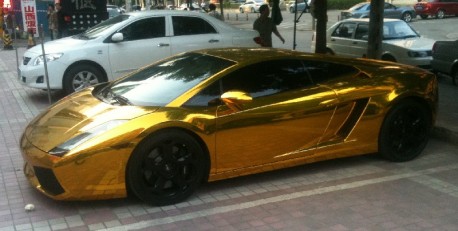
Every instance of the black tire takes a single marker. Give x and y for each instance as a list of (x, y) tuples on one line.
[(241, 10), (389, 58), (440, 14), (80, 77), (291, 9), (166, 168), (407, 17), (423, 16), (405, 131), (253, 10), (454, 75)]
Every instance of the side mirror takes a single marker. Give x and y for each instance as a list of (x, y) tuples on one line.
[(235, 99), (117, 37)]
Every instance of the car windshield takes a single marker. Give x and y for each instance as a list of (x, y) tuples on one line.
[(98, 29), (162, 82), (398, 30)]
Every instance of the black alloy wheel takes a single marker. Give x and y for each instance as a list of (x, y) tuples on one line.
[(405, 131), (166, 168)]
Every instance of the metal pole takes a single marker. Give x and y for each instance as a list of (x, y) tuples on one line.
[(45, 63)]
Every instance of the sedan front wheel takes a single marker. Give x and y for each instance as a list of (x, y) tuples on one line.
[(407, 17), (80, 77)]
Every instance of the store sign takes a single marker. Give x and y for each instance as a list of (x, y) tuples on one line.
[(29, 14)]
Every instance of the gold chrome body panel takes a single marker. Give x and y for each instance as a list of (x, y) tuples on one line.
[(337, 119)]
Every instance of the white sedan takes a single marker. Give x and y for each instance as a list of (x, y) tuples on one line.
[(400, 42), (125, 43)]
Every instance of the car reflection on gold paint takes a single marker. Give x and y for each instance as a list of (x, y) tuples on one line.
[(220, 113)]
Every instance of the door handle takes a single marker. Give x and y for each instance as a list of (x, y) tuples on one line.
[(163, 45), (213, 41)]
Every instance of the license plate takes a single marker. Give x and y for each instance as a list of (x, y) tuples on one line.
[(418, 8)]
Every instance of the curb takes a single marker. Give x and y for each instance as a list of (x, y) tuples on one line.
[(445, 134)]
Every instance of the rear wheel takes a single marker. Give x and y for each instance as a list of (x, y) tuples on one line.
[(405, 131), (407, 17), (80, 77), (388, 58), (241, 10), (166, 168), (253, 10), (440, 14)]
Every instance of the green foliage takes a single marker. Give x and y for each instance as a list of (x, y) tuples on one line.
[(342, 4)]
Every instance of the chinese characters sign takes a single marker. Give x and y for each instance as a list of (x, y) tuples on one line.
[(29, 15)]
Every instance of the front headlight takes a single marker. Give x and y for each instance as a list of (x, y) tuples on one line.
[(49, 57), (417, 54), (68, 145)]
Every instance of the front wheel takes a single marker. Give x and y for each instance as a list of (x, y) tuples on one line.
[(253, 10), (166, 168), (291, 10), (405, 131), (241, 10), (80, 77)]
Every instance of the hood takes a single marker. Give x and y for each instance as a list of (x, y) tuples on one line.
[(413, 43), (59, 45), (69, 116)]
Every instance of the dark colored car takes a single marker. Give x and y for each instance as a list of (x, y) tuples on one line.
[(436, 8), (445, 58), (362, 10)]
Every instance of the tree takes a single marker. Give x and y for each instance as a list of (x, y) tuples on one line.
[(319, 11), (374, 45)]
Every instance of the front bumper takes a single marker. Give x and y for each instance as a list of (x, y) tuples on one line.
[(34, 76)]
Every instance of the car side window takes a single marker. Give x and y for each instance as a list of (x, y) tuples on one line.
[(268, 78), (145, 29), (183, 25), (258, 80), (321, 72), (362, 31), (344, 30)]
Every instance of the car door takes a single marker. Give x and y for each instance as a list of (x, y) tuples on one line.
[(144, 41), (390, 11), (342, 42), (285, 119), (192, 33)]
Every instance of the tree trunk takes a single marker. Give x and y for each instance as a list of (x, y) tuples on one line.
[(319, 11), (374, 45)]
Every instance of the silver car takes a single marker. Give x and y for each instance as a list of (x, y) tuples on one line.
[(400, 43), (362, 10)]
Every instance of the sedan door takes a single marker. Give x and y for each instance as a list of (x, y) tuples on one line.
[(341, 40), (193, 33), (285, 119), (144, 41)]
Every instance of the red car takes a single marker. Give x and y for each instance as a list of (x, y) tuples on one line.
[(436, 8)]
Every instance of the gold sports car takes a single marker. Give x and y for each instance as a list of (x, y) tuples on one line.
[(220, 113)]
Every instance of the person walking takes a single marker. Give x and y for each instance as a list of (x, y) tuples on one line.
[(265, 26), (61, 24), (52, 22), (213, 11)]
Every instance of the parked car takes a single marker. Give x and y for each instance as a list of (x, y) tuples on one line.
[(400, 43), (302, 6), (113, 11), (436, 8), (445, 58), (251, 6), (100, 53), (219, 113), (185, 6), (362, 10)]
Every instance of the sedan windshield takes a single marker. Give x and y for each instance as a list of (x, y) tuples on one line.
[(160, 83), (98, 29), (398, 30)]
